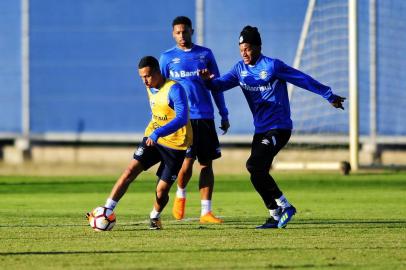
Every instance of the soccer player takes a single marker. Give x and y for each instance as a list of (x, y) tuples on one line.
[(167, 137), (263, 82), (181, 63)]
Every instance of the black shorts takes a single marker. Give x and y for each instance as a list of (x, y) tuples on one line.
[(171, 160), (206, 145), (265, 146)]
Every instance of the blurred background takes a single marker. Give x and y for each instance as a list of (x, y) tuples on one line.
[(69, 81)]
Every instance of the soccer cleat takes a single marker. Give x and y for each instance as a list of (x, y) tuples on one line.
[(270, 223), (178, 210), (286, 216), (88, 215), (210, 218), (155, 224)]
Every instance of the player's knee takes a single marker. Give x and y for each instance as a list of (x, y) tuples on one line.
[(249, 165), (252, 167), (132, 171), (128, 171), (206, 164), (127, 176), (256, 167)]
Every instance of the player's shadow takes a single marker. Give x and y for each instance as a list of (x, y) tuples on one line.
[(352, 221), (169, 251), (247, 225), (123, 251)]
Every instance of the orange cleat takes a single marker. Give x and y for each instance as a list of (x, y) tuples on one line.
[(178, 210), (210, 218)]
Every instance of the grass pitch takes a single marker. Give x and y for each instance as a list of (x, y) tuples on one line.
[(343, 222)]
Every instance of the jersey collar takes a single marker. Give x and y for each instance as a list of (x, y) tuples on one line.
[(187, 50)]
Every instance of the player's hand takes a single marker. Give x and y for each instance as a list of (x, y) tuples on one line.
[(149, 142), (205, 74), (225, 125), (338, 102)]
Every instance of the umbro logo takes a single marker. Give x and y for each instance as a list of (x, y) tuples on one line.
[(265, 141), (176, 60)]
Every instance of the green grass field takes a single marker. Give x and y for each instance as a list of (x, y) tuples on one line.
[(343, 222)]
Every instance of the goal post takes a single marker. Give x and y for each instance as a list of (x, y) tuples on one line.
[(325, 51), (356, 47), (353, 84)]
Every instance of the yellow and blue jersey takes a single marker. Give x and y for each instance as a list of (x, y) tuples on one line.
[(169, 125), (182, 66)]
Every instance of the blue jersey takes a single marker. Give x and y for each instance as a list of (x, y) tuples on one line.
[(182, 66), (264, 87)]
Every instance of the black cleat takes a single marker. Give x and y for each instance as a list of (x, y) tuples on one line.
[(155, 224), (270, 223)]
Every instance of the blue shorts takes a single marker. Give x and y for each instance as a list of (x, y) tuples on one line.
[(206, 145), (171, 160)]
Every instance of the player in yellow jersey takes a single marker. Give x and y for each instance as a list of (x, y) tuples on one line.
[(167, 137)]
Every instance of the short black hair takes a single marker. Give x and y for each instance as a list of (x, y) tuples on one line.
[(182, 20), (149, 61)]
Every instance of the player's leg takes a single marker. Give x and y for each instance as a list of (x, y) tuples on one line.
[(185, 173), (126, 178), (168, 171), (161, 199), (258, 166), (280, 138), (264, 149), (162, 194), (144, 157), (206, 180), (206, 186), (207, 149)]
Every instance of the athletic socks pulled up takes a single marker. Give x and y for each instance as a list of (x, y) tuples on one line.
[(110, 204), (282, 202)]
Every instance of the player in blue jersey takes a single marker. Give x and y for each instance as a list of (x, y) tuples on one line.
[(263, 82), (167, 137), (181, 63)]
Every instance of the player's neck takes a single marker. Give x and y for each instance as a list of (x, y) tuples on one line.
[(187, 47), (160, 83), (255, 60)]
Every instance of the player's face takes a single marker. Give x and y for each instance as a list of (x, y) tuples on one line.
[(150, 77), (249, 53), (182, 35)]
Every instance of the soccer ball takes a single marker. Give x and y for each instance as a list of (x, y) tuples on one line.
[(102, 219)]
